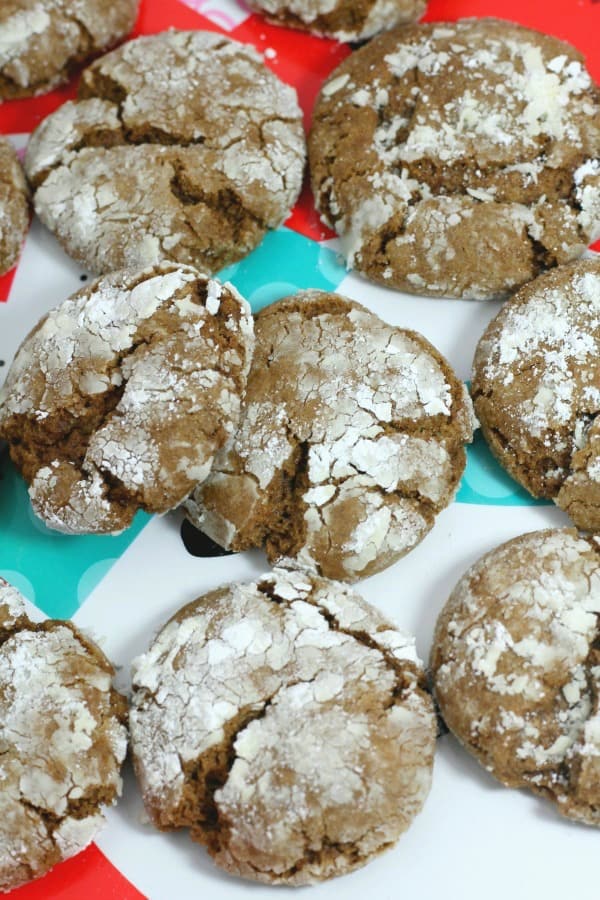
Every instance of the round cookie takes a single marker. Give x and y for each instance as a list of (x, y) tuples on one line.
[(43, 41), (62, 739), (350, 441), (536, 388), (14, 206), (285, 723), (120, 397), (181, 146), (516, 667), (459, 159), (346, 20)]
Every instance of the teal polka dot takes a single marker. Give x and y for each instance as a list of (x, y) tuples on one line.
[(55, 571), (92, 577), (284, 263), (331, 265), (485, 482), (269, 293)]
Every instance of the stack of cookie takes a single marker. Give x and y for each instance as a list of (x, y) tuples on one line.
[(285, 722)]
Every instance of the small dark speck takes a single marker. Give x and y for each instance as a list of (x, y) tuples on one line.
[(198, 544), (83, 278), (2, 363), (442, 728)]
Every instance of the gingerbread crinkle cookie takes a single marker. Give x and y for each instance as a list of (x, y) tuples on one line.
[(351, 440), (14, 206), (285, 724), (120, 397), (459, 159), (181, 146), (516, 667), (536, 388), (346, 20), (43, 41), (62, 739)]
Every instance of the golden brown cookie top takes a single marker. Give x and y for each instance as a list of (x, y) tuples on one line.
[(43, 41), (351, 440), (516, 666), (182, 146), (536, 388), (284, 722), (63, 741), (120, 397), (14, 206), (459, 158)]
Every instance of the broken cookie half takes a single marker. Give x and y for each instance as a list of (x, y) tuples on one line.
[(120, 397), (286, 724), (62, 741), (350, 442)]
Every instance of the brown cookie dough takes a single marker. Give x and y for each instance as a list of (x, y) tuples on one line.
[(43, 41), (516, 667), (182, 146), (14, 206), (536, 387), (285, 723), (346, 20), (120, 397), (459, 159), (62, 741), (350, 441)]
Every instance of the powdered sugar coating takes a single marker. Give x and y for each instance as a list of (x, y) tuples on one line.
[(536, 388), (42, 41), (264, 713), (14, 206), (181, 146), (459, 159), (12, 607), (120, 397), (346, 20), (351, 439), (516, 667), (62, 738)]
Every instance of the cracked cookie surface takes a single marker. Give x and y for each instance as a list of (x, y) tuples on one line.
[(120, 397), (14, 206), (516, 667), (536, 388), (181, 146), (459, 159), (43, 41), (350, 441), (345, 20), (62, 740), (285, 723)]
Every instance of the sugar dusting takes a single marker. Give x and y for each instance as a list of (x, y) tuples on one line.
[(309, 670), (517, 638), (479, 95), (61, 743), (350, 390), (147, 337), (203, 153)]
